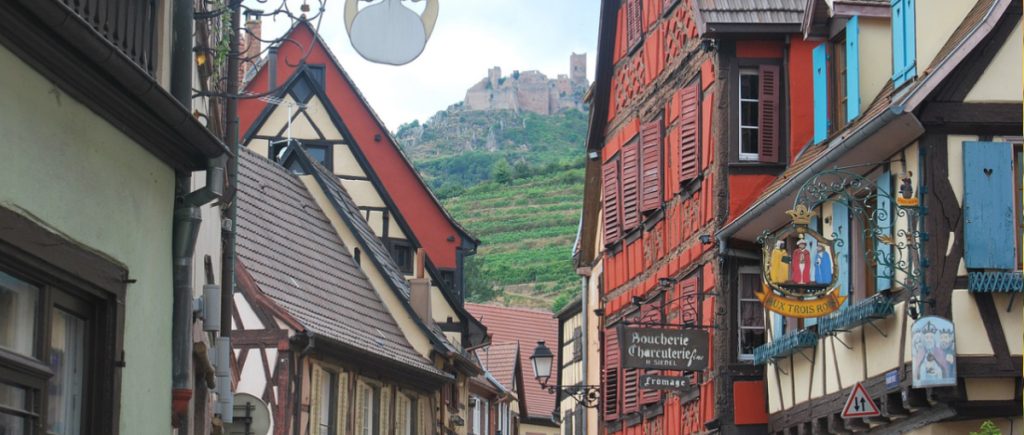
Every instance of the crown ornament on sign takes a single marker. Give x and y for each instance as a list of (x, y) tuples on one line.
[(801, 215)]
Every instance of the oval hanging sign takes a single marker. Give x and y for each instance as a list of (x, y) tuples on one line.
[(800, 277), (388, 32)]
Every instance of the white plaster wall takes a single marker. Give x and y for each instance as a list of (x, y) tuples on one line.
[(875, 47), (971, 337), (345, 162), (936, 21)]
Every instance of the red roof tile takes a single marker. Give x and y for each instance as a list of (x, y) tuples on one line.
[(526, 327), (500, 361)]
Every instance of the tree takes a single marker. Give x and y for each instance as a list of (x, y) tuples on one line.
[(988, 428), (501, 172), (478, 287)]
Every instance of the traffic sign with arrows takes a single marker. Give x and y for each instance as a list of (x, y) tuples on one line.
[(859, 404)]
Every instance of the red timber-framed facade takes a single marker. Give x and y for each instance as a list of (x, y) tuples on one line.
[(691, 117)]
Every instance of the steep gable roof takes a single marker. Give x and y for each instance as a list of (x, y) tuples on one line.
[(749, 16), (501, 361), (292, 252), (525, 327), (411, 195)]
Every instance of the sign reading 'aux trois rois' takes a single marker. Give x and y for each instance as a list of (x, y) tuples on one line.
[(664, 349)]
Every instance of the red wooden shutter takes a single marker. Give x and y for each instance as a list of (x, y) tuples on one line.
[(768, 118), (650, 180), (610, 381), (630, 185), (689, 121), (611, 209), (630, 390), (688, 303), (634, 24)]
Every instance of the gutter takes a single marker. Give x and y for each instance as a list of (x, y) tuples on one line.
[(794, 183)]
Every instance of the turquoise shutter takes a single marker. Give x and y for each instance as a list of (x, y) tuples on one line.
[(903, 41), (883, 222), (777, 326), (852, 68), (897, 40), (820, 65), (841, 226), (988, 205)]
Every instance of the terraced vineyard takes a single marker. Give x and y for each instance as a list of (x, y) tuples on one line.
[(527, 228)]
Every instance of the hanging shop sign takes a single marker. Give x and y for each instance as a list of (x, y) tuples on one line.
[(389, 32), (661, 382), (933, 349), (799, 271), (664, 349)]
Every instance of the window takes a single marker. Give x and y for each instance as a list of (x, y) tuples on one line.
[(577, 344), (47, 325), (634, 24), (401, 252), (757, 113), (327, 420), (750, 320), (319, 152), (367, 408), (749, 108)]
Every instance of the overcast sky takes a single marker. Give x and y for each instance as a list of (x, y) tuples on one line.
[(470, 36)]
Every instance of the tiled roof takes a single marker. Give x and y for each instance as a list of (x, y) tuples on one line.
[(297, 259), (526, 327), (500, 361), (751, 11), (349, 212)]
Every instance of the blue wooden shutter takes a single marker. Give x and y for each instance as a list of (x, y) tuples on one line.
[(820, 65), (988, 205), (778, 323), (903, 41), (883, 223), (852, 68), (841, 227)]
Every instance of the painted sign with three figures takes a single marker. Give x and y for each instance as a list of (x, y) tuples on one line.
[(799, 271)]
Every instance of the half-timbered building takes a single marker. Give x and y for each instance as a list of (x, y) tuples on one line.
[(691, 114), (908, 189)]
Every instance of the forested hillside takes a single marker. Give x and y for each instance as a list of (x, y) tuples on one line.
[(514, 180)]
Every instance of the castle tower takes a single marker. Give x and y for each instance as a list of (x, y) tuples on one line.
[(493, 76), (578, 68)]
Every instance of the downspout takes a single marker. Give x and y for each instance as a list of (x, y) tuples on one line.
[(584, 283), (187, 218)]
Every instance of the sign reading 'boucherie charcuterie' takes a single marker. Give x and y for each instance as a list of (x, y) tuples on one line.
[(664, 349)]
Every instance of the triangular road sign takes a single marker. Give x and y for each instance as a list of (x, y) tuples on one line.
[(860, 404)]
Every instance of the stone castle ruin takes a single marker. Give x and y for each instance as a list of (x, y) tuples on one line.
[(531, 91)]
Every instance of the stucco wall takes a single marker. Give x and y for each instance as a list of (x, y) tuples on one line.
[(935, 22), (77, 174), (999, 82), (875, 47)]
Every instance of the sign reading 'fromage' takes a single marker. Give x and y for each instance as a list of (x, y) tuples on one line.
[(664, 349)]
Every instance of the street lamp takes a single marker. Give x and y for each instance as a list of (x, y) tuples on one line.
[(586, 395)]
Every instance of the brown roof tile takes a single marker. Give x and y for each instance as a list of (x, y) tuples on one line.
[(297, 259), (525, 327), (500, 361), (752, 11)]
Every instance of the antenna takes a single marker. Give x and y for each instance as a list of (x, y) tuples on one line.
[(291, 104)]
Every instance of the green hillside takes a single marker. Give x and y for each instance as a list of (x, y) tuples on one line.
[(515, 182)]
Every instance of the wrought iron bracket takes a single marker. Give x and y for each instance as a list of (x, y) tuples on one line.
[(587, 395), (840, 340)]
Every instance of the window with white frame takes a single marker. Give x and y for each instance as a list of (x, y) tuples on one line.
[(405, 415), (328, 402), (367, 405), (750, 313), (749, 109)]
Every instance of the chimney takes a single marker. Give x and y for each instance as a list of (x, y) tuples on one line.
[(249, 48), (419, 291)]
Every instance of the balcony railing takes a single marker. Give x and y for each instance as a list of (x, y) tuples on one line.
[(128, 24), (995, 282), (851, 316), (785, 345)]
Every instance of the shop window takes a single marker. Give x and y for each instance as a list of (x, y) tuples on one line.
[(750, 313)]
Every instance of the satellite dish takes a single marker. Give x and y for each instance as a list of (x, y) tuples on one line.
[(389, 32), (252, 416)]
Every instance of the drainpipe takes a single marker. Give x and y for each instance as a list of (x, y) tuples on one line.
[(584, 281), (187, 218)]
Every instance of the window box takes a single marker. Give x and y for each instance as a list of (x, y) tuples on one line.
[(876, 307), (995, 282), (785, 345)]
